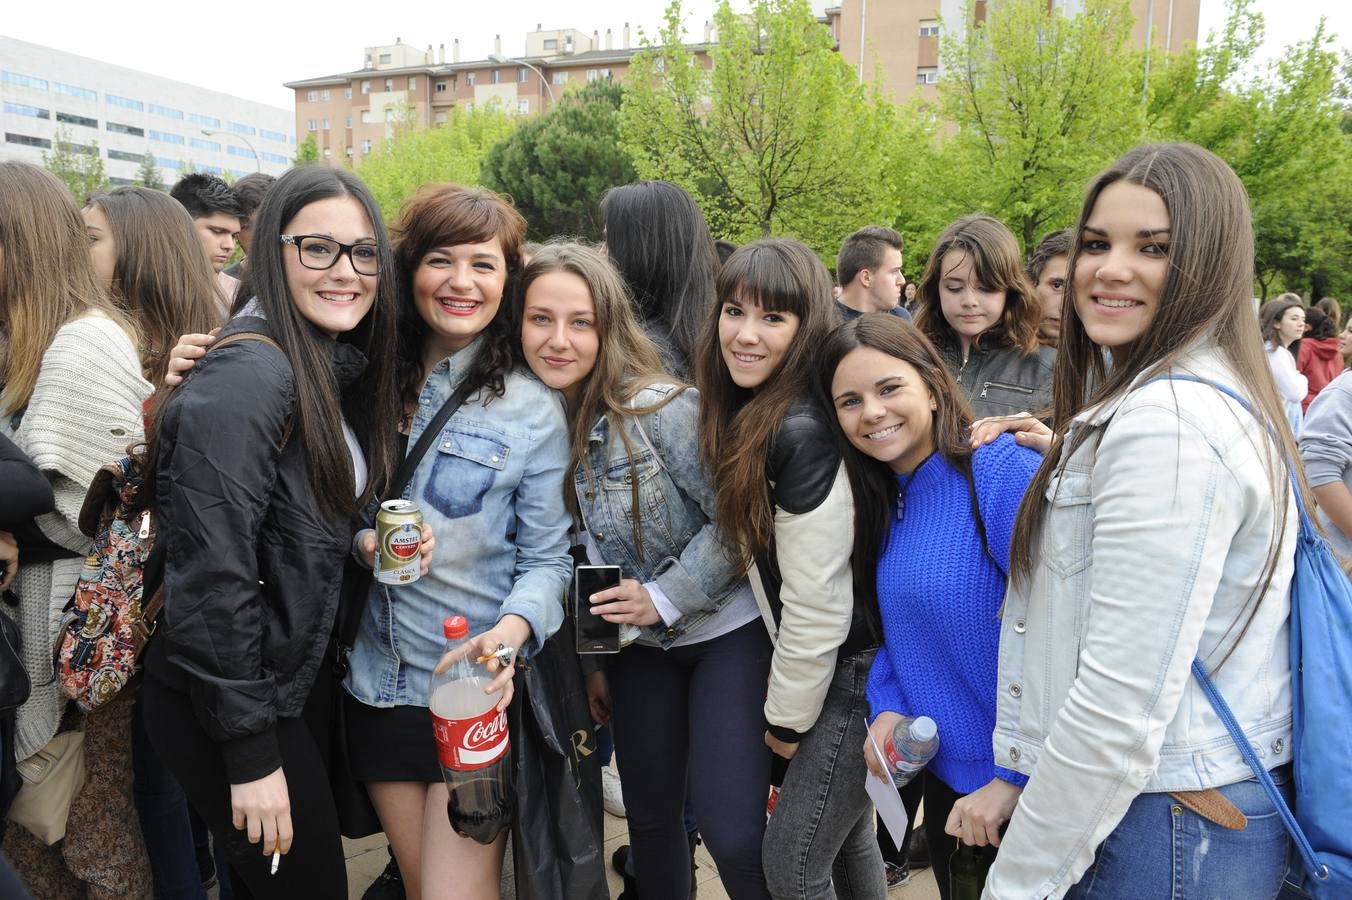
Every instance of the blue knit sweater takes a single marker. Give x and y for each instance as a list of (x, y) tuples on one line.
[(939, 594)]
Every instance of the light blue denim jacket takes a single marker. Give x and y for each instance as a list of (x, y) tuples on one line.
[(490, 489), (1152, 544), (682, 551)]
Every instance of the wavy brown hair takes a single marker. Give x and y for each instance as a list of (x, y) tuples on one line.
[(1207, 295), (46, 276), (444, 215), (627, 361), (160, 277), (737, 427), (998, 266)]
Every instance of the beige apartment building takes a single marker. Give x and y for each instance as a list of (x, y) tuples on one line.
[(401, 85)]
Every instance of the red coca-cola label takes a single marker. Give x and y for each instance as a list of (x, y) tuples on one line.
[(473, 743)]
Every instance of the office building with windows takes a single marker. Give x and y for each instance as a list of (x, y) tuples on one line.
[(123, 114)]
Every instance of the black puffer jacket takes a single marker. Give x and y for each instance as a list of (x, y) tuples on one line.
[(253, 567), (999, 380)]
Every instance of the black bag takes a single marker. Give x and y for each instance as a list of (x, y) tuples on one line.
[(15, 687), (557, 835)]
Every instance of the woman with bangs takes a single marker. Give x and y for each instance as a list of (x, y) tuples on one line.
[(979, 309), (686, 694), (489, 485), (785, 502)]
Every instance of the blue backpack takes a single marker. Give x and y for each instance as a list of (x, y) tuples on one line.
[(1321, 699)]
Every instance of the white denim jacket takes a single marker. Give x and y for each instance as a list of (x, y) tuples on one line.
[(1152, 543)]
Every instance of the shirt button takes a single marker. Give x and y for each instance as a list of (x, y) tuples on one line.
[(495, 459), (1020, 627), (1278, 746), (628, 477), (1177, 810), (1015, 690), (600, 536), (446, 445), (1014, 754)]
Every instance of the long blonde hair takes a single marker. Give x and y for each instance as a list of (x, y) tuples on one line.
[(627, 361), (46, 276)]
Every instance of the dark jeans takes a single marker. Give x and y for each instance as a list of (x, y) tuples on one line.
[(314, 867), (821, 833), (939, 800), (690, 720), (163, 811)]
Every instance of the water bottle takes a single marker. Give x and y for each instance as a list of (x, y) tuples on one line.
[(967, 872), (910, 746), (472, 743)]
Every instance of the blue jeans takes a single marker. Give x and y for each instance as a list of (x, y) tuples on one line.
[(821, 834), (1164, 851)]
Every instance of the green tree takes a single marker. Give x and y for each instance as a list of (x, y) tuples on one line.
[(449, 152), (307, 151), (80, 167), (778, 137), (148, 175), (556, 167), (1040, 103)]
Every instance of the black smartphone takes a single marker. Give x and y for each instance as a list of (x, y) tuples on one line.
[(594, 634)]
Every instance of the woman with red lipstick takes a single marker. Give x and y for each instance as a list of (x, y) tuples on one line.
[(979, 309)]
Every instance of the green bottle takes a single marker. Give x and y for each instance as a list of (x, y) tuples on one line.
[(967, 872)]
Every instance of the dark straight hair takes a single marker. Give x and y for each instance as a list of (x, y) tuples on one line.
[(658, 239), (369, 404)]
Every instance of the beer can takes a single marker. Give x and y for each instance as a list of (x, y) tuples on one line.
[(398, 542)]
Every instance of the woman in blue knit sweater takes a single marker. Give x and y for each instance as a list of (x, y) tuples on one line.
[(941, 515)]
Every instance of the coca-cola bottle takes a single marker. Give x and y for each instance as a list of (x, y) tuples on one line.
[(472, 742)]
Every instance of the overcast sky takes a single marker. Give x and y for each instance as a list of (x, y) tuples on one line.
[(253, 47)]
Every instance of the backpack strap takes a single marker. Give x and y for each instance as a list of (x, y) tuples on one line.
[(261, 338)]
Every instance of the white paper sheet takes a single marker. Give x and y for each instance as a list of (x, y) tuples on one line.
[(886, 799)]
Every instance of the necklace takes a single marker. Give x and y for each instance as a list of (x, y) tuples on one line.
[(903, 487)]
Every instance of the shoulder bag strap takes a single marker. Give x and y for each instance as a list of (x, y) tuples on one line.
[(1213, 694)]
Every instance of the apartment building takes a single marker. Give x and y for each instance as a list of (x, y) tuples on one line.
[(123, 114)]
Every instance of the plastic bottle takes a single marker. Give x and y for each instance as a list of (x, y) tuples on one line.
[(472, 743), (910, 746), (967, 872)]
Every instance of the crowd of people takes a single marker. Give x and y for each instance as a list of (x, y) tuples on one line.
[(977, 497)]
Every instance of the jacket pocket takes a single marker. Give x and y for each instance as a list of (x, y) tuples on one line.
[(466, 465), (618, 487), (1066, 544)]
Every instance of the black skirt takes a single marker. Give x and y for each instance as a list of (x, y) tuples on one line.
[(391, 744)]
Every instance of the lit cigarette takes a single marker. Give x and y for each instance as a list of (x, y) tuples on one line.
[(503, 655), (276, 861)]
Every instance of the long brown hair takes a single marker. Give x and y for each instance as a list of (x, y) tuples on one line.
[(46, 276), (998, 266), (872, 482), (160, 277), (627, 361), (1207, 294), (738, 426), (443, 215)]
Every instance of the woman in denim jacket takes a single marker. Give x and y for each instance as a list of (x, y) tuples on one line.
[(489, 487), (686, 693), (1160, 528)]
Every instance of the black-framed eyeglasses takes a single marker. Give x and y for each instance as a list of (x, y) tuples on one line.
[(318, 252)]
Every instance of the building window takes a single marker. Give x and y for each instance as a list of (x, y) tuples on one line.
[(441, 87), (199, 144), (523, 106), (20, 80), (325, 124), (165, 137), (551, 43), (324, 96), (167, 111), (591, 75), (929, 27), (275, 158), (366, 87), (125, 156), (236, 150), (117, 128), (470, 78), (272, 135), (365, 147), (495, 77), (389, 84), (560, 78), (209, 121), (926, 75), (522, 75), (248, 130), (348, 122), (312, 125), (441, 118), (348, 152), (328, 152), (385, 59), (27, 140), (71, 119), (70, 90), (165, 162), (366, 117), (607, 74), (21, 109), (311, 96), (125, 103), (413, 84), (213, 170), (347, 94)]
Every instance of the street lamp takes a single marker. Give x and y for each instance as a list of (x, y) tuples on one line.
[(505, 61), (258, 165)]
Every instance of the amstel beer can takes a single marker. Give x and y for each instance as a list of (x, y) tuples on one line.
[(398, 542)]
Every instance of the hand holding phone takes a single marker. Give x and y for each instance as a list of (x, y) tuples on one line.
[(594, 634)]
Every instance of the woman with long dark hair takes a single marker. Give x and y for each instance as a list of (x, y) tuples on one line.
[(263, 458), (1282, 324)]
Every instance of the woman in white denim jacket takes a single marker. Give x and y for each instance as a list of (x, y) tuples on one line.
[(1159, 529)]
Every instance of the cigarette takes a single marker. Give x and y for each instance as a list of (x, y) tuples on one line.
[(503, 655), (276, 861)]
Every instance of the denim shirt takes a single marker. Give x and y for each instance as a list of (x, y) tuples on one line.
[(682, 551), (1152, 544), (490, 489)]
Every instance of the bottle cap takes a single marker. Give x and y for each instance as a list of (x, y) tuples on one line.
[(922, 729), (455, 628)]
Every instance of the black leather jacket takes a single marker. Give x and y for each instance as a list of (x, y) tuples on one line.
[(253, 567), (1001, 381)]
